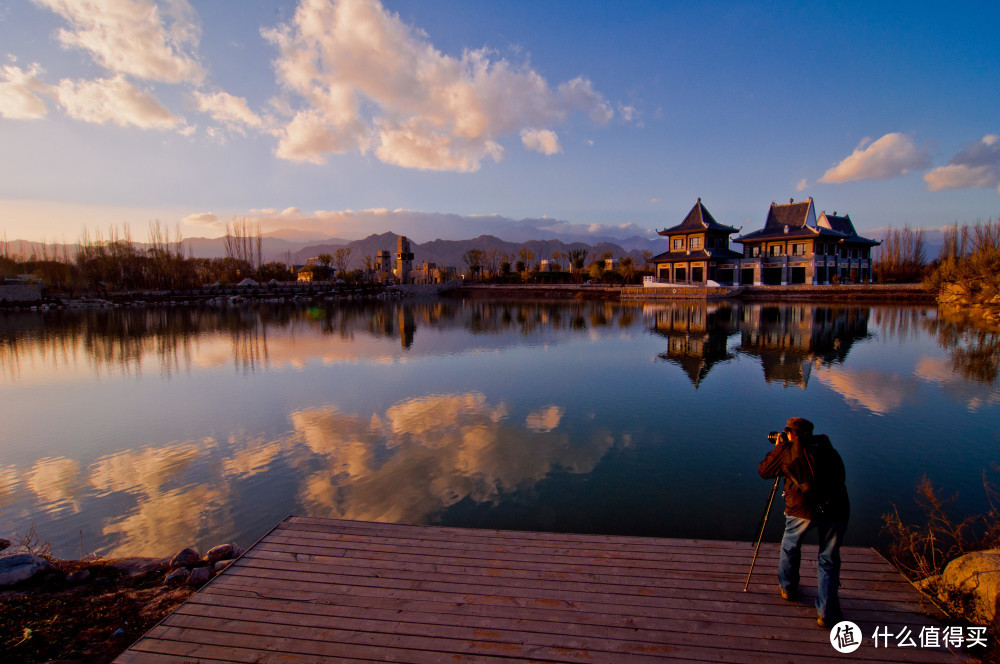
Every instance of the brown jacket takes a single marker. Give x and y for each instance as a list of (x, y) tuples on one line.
[(814, 478)]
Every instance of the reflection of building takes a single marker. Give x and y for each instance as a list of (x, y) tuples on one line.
[(697, 335), (794, 247), (788, 339), (407, 326)]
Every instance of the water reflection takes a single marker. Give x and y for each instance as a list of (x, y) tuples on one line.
[(208, 425), (788, 339)]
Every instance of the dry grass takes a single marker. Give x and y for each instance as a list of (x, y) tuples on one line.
[(922, 551), (51, 619)]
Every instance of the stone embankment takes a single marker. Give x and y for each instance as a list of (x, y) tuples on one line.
[(978, 306)]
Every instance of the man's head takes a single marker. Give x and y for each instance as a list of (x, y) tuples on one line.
[(799, 427)]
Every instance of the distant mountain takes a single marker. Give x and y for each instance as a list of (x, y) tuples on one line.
[(451, 252)]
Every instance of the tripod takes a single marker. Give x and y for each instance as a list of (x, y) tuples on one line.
[(763, 522)]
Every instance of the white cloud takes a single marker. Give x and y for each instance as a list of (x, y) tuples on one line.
[(976, 166), (541, 140), (367, 81), (136, 37), (19, 90), (802, 184), (892, 155), (209, 219), (114, 100), (231, 111)]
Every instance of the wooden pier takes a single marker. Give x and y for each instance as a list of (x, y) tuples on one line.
[(324, 590)]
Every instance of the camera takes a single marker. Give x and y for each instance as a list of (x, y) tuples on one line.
[(778, 436)]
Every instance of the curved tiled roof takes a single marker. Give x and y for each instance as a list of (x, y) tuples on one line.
[(698, 219)]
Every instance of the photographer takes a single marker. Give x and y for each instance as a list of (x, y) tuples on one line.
[(815, 497)]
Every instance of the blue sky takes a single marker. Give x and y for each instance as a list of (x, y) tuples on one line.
[(454, 118)]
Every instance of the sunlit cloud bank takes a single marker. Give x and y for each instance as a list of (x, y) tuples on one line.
[(368, 82), (418, 226), (891, 156), (975, 166), (20, 92)]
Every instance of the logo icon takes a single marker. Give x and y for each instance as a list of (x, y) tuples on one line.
[(845, 636)]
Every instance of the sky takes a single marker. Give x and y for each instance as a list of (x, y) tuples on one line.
[(453, 118)]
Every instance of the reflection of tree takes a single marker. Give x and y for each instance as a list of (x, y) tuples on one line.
[(428, 453), (974, 347)]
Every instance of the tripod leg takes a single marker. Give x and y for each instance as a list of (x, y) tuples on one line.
[(760, 537)]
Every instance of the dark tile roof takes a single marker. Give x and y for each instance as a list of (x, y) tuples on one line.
[(791, 214), (698, 219)]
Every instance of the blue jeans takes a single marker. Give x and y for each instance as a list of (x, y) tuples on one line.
[(831, 536)]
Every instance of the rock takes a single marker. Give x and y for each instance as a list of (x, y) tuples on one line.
[(977, 573), (222, 564), (185, 558), (177, 576), (223, 552), (79, 576), (199, 576), (21, 567), (4, 544)]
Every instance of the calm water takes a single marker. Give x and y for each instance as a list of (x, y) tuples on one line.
[(138, 432)]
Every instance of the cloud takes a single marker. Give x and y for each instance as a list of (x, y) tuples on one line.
[(114, 100), (19, 90), (231, 111), (802, 184), (135, 37), (209, 219), (367, 82), (541, 140), (976, 166), (892, 155)]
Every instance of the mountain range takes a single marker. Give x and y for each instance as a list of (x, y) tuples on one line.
[(296, 247)]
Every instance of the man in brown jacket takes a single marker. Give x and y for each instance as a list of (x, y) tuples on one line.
[(815, 497)]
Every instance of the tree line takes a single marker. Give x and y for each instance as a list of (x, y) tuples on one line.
[(572, 265)]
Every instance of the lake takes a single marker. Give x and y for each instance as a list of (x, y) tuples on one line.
[(141, 431)]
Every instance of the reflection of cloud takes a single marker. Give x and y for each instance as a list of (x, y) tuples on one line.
[(143, 471), (161, 521), (345, 440), (254, 460), (941, 372), (544, 420), (8, 483), (56, 480), (876, 391), (431, 452)]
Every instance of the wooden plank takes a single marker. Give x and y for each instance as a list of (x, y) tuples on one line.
[(316, 590)]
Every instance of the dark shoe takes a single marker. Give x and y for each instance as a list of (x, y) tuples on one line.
[(789, 595)]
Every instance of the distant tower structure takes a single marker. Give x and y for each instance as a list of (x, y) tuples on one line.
[(404, 259)]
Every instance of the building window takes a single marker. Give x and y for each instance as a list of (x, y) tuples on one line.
[(799, 249), (756, 251), (680, 275), (775, 249), (697, 274), (696, 243), (678, 243)]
